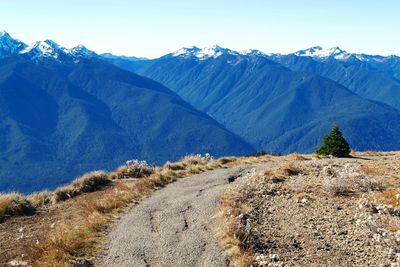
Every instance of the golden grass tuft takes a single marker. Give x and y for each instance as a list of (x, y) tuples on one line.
[(389, 197), (394, 228), (174, 166), (89, 182), (372, 170), (230, 232), (14, 204), (296, 156), (227, 160), (128, 172), (194, 160), (63, 244), (373, 153), (281, 173), (40, 199), (288, 169)]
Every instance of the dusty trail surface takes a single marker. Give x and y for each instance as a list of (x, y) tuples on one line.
[(173, 226)]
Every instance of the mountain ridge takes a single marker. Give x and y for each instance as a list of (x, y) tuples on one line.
[(263, 101), (63, 119), (207, 100)]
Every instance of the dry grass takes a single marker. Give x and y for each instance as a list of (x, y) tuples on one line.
[(40, 199), (79, 234), (389, 197), (190, 161), (72, 239), (89, 182), (77, 238), (374, 153), (348, 180), (395, 228), (136, 171), (65, 242), (226, 160), (14, 204), (297, 157), (280, 173), (174, 166), (230, 231), (370, 170), (288, 169)]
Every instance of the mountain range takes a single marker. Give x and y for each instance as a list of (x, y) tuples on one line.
[(283, 107), (63, 115), (67, 111)]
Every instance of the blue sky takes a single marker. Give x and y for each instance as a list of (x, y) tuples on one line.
[(152, 28)]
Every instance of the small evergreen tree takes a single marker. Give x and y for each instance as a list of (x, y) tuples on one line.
[(334, 144)]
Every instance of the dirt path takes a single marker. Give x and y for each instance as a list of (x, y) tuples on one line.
[(172, 227)]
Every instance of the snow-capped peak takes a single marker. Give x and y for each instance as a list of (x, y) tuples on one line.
[(4, 34), (215, 51), (9, 46), (184, 51), (45, 48), (253, 52), (40, 49), (80, 51), (204, 53), (319, 52)]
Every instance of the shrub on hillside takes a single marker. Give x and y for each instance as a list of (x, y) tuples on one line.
[(40, 198), (197, 159), (133, 169), (347, 180), (188, 161), (14, 205), (89, 182), (334, 144)]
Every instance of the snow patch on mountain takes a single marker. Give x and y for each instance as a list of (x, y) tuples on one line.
[(319, 52), (204, 53), (253, 52), (45, 48), (50, 49), (80, 51), (9, 46)]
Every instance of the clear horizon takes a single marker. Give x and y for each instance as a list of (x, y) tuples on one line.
[(155, 28)]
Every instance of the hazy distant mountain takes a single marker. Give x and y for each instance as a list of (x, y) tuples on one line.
[(128, 63), (373, 77), (272, 107), (62, 119)]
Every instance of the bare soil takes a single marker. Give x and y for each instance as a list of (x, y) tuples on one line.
[(331, 213)]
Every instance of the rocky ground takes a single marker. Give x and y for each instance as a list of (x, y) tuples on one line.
[(321, 212)]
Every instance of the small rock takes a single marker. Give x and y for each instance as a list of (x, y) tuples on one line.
[(82, 263), (273, 257), (344, 232), (18, 263)]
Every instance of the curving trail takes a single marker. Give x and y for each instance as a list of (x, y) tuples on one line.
[(172, 227)]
